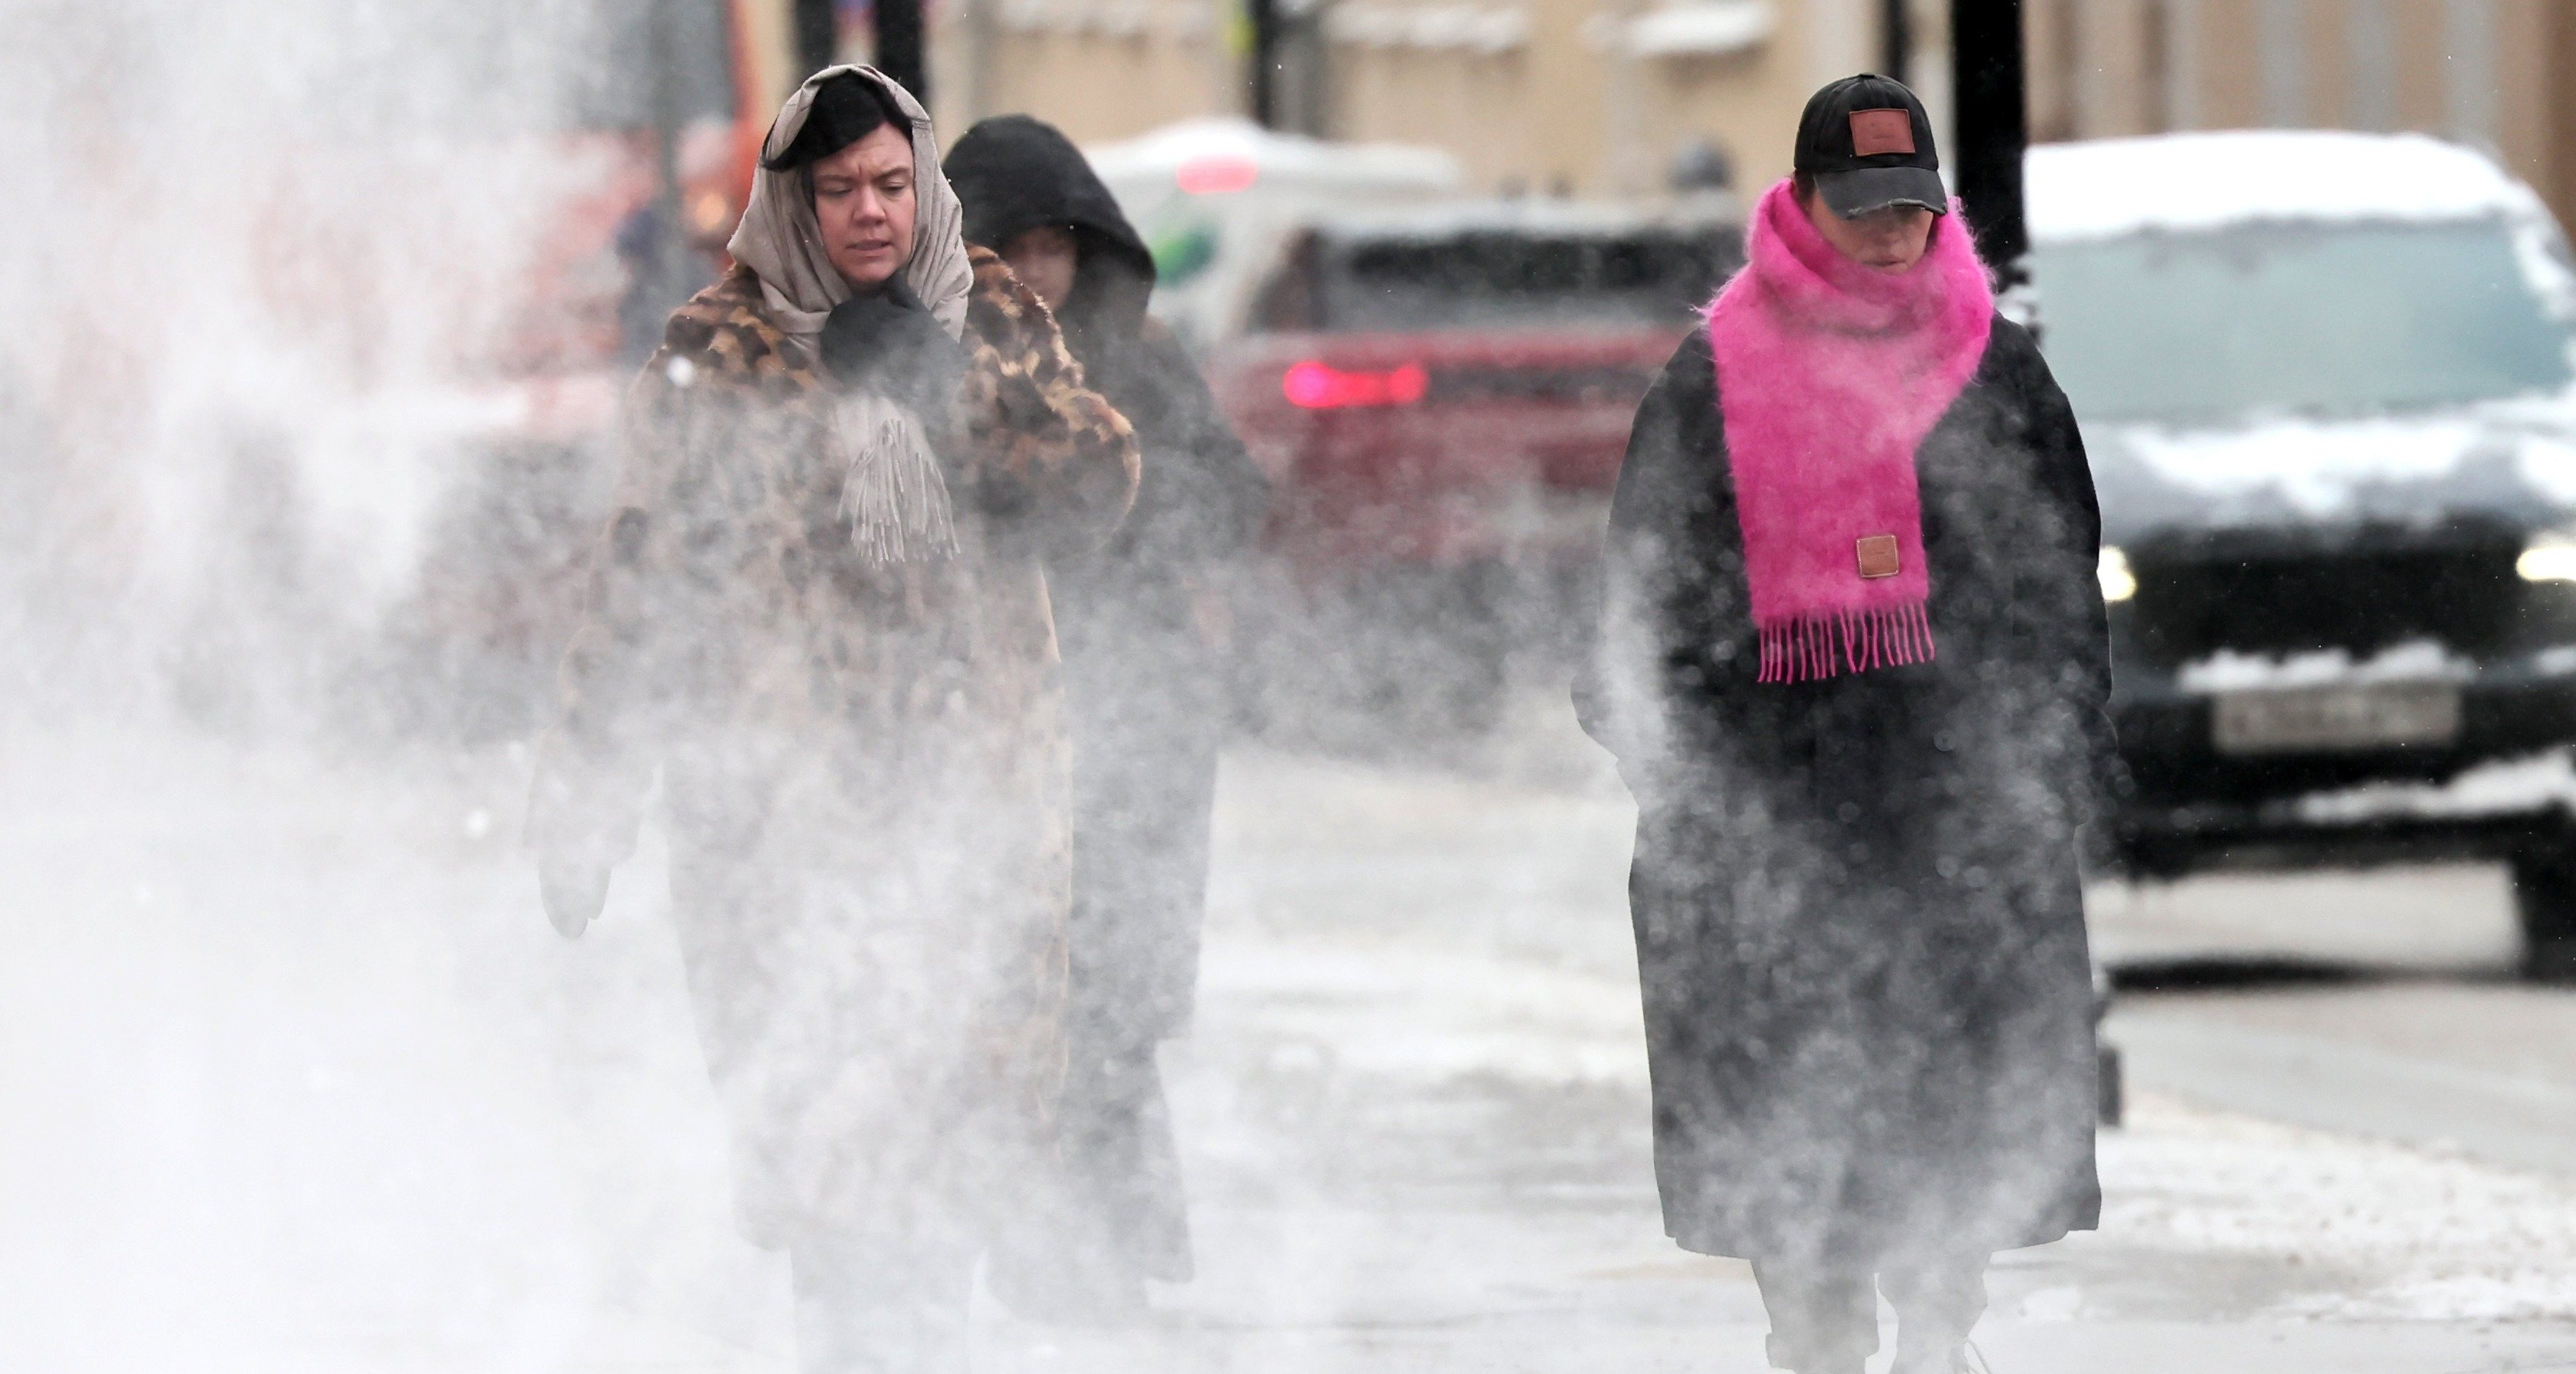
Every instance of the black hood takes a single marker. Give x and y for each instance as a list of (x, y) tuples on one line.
[(1015, 173)]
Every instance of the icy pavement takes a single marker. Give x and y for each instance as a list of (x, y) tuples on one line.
[(297, 1079)]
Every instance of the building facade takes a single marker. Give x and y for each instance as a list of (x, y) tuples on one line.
[(2498, 74), (1589, 97), (1608, 97)]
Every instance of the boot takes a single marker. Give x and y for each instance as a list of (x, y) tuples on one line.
[(1937, 1306), (1961, 1358), (1823, 1320)]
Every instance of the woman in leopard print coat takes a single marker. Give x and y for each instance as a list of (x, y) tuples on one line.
[(859, 738)]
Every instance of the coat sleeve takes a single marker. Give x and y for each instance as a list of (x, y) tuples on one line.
[(2083, 646), (1203, 502), (647, 580), (1672, 633), (1041, 447)]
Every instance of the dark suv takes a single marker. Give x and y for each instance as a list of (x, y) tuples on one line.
[(2325, 382)]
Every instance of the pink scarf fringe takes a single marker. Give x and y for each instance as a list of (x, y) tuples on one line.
[(1820, 646)]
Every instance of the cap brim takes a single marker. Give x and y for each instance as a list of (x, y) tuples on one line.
[(1863, 189)]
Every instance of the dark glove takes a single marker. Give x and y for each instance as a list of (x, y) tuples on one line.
[(887, 341), (574, 888)]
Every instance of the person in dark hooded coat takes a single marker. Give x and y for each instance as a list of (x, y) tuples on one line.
[(1853, 663), (1143, 625)]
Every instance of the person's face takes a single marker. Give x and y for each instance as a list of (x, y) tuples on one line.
[(863, 199), (1890, 240), (1045, 260)]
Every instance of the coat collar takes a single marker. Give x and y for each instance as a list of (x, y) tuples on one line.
[(728, 336)]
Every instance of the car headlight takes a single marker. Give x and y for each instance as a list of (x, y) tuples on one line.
[(2119, 584), (2548, 558)]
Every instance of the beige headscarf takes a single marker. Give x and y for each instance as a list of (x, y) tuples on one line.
[(893, 493)]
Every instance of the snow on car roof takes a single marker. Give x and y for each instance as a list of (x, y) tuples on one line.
[(2098, 189), (1527, 215), (1174, 149)]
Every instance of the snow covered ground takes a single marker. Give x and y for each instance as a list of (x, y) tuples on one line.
[(297, 1079)]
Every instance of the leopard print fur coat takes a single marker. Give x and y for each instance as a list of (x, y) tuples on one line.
[(864, 767)]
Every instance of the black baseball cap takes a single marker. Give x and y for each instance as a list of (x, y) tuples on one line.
[(1867, 143)]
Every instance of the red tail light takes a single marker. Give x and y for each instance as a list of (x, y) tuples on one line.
[(1315, 386), (1217, 175)]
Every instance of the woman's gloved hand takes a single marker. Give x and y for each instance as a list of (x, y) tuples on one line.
[(574, 889), (889, 342)]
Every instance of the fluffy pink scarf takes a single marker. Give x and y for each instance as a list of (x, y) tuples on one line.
[(1829, 374)]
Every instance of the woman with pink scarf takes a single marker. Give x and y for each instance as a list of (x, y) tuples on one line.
[(1852, 660)]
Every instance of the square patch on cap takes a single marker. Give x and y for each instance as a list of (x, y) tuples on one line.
[(1881, 131), (1877, 555)]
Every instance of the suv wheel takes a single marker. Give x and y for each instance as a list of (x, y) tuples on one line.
[(2544, 896)]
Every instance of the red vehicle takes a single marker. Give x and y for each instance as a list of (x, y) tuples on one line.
[(1442, 398), (498, 588)]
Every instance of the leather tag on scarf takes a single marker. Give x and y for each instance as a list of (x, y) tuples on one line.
[(1877, 555), (1881, 131)]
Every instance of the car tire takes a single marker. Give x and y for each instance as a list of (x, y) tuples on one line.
[(2111, 1094), (2544, 896)]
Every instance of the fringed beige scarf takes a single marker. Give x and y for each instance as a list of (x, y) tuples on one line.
[(892, 495)]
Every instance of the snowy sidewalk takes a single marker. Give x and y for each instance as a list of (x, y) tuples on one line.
[(298, 1081), (1418, 1104)]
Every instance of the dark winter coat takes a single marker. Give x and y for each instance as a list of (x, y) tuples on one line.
[(864, 765), (1859, 922), (1144, 679)]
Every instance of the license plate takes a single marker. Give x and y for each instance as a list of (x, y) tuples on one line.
[(2337, 719)]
